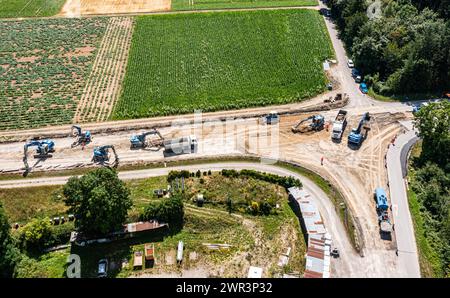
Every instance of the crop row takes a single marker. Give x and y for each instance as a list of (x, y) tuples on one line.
[(43, 68), (220, 61)]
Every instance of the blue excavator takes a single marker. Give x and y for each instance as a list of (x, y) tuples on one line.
[(101, 155), (317, 123), (356, 135), (43, 150), (140, 140), (82, 138)]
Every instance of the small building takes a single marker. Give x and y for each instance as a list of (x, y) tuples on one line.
[(255, 272)]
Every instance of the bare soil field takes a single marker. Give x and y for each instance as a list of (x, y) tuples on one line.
[(103, 85), (97, 7)]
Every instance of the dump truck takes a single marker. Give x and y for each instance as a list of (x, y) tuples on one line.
[(339, 125), (385, 222), (181, 145), (382, 206)]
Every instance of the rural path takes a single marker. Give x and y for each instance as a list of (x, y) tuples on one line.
[(350, 263), (404, 231), (64, 16)]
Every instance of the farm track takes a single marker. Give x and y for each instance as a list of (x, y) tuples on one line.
[(103, 86), (131, 14)]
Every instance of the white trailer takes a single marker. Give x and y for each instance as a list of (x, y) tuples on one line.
[(181, 145)]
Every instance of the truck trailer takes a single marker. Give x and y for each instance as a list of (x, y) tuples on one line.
[(339, 125), (181, 145)]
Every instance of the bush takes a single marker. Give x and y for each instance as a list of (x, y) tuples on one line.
[(170, 211), (286, 182), (177, 174), (39, 234)]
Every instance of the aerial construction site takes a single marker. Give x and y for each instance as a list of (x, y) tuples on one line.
[(184, 139)]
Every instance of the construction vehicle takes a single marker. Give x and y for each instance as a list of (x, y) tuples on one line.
[(356, 136), (337, 97), (43, 150), (382, 206), (140, 140), (181, 145), (271, 118), (101, 155), (317, 123), (83, 138), (339, 125)]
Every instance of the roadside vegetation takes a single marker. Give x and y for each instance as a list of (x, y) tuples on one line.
[(223, 60), (259, 226), (429, 192), (403, 50), (27, 8), (220, 4)]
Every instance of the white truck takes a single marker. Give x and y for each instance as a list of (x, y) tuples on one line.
[(181, 145), (339, 125)]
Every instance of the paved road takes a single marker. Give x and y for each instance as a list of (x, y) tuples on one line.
[(404, 231), (349, 263)]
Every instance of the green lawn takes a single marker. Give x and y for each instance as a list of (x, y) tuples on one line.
[(223, 4), (29, 8), (223, 60)]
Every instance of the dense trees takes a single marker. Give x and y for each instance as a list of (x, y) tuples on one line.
[(431, 179), (405, 49), (9, 254), (99, 200), (433, 122)]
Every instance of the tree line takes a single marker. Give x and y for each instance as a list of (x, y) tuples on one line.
[(430, 180), (402, 48)]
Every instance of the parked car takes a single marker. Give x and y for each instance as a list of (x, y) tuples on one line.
[(355, 73), (363, 88), (350, 63), (102, 268), (358, 79)]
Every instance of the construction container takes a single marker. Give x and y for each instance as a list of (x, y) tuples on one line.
[(149, 251)]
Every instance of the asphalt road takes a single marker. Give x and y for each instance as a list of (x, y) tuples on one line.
[(404, 231)]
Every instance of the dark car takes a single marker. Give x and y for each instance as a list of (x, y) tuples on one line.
[(355, 73)]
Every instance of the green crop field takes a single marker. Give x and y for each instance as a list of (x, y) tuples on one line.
[(29, 8), (223, 60), (43, 68), (222, 4)]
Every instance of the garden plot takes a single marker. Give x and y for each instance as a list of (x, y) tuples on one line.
[(44, 65), (97, 7), (223, 61), (103, 85)]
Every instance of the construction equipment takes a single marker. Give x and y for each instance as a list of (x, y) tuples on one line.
[(140, 140), (83, 138), (181, 145), (382, 206), (101, 155), (339, 125), (43, 150), (384, 222), (271, 118), (337, 97), (317, 123), (356, 137)]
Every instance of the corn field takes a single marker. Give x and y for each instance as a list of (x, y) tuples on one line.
[(43, 68), (221, 61)]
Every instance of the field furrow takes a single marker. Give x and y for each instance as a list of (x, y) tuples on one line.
[(103, 87)]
